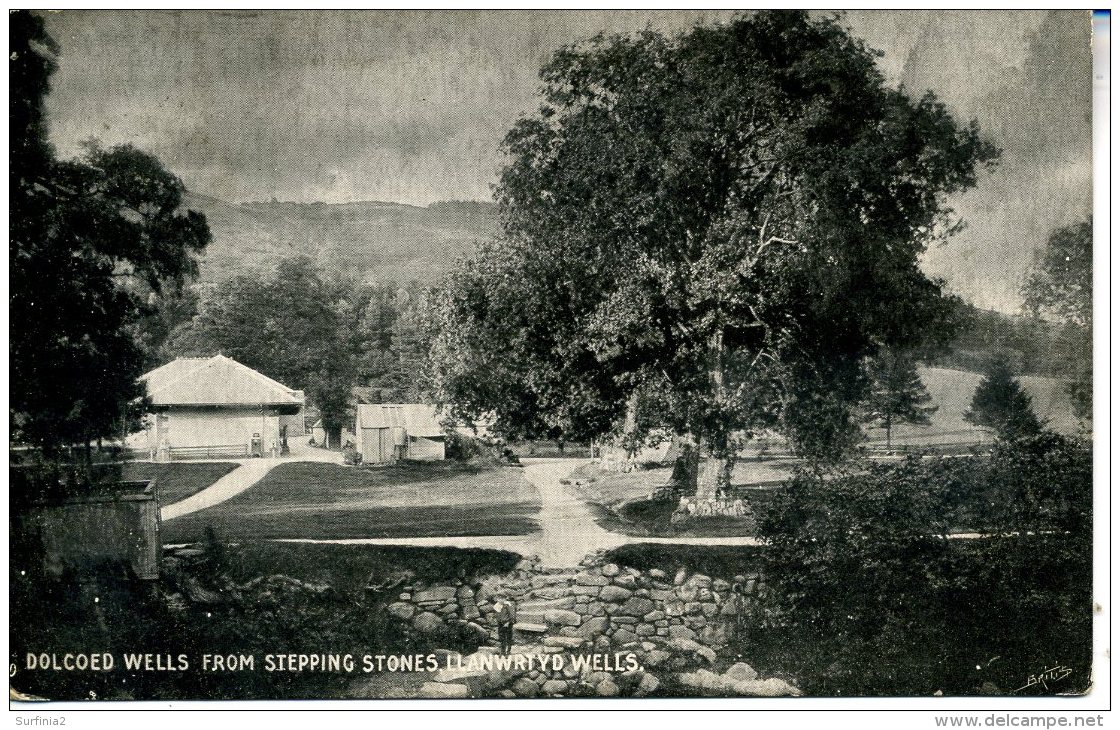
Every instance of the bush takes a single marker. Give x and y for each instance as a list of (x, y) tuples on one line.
[(861, 569), (351, 456), (461, 447)]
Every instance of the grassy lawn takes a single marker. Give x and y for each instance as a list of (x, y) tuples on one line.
[(328, 501), (619, 501), (176, 482)]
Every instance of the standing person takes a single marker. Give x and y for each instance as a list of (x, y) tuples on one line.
[(738, 627), (506, 615)]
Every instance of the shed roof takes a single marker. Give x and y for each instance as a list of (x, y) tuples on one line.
[(215, 381), (417, 419)]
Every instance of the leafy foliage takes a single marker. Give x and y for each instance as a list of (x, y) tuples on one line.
[(1061, 287), (95, 244), (860, 567), (724, 223), (295, 327), (1000, 403)]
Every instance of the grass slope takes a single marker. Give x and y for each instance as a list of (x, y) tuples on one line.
[(327, 501), (176, 482)]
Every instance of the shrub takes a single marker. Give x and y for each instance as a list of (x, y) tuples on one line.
[(351, 456), (861, 569)]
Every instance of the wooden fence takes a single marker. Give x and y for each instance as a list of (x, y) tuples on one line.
[(231, 451)]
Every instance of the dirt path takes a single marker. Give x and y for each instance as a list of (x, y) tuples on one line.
[(237, 481), (567, 532), (243, 477)]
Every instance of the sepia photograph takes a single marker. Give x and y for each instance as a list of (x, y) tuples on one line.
[(542, 355)]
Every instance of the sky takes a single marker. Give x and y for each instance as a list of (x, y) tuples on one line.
[(411, 106)]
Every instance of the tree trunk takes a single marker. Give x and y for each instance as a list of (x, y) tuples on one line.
[(683, 479), (888, 431), (713, 477), (714, 474)]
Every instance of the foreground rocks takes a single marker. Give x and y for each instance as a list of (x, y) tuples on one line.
[(649, 628)]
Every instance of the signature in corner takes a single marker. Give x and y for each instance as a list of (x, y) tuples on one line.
[(1045, 677)]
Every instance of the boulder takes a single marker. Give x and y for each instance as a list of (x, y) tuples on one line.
[(704, 680), (647, 686), (561, 617), (555, 687), (436, 594), (700, 581), (428, 623), (566, 642), (591, 579), (772, 687), (713, 635), (636, 606), (626, 581), (680, 577), (624, 636), (610, 570), (645, 630), (593, 627), (741, 672), (688, 646), (682, 632), (443, 691), (524, 687), (653, 617), (656, 658), (403, 611), (607, 688), (614, 594), (658, 574)]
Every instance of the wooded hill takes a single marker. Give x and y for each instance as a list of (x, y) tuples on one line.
[(371, 241)]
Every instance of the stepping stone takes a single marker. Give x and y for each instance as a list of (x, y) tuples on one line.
[(531, 617), (530, 628)]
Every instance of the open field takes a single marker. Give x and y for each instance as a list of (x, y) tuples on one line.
[(952, 391), (328, 501), (619, 499), (177, 481)]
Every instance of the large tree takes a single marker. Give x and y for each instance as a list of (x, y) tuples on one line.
[(94, 244), (717, 227), (1060, 287)]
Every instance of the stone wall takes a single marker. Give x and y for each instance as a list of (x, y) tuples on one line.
[(659, 626)]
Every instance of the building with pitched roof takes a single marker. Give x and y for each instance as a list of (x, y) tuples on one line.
[(215, 407), (389, 432)]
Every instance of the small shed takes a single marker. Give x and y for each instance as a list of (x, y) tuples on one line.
[(389, 432)]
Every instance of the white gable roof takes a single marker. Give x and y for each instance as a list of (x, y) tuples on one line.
[(215, 381)]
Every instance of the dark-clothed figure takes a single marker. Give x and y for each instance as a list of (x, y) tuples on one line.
[(738, 619), (505, 614)]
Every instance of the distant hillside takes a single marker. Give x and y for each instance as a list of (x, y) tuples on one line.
[(372, 241)]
